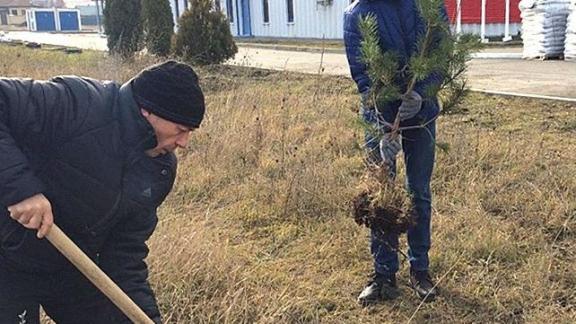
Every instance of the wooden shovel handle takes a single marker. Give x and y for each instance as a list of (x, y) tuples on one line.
[(71, 251)]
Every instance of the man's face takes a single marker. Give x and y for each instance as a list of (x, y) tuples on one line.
[(169, 135)]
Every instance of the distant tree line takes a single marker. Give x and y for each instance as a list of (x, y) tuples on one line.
[(203, 35)]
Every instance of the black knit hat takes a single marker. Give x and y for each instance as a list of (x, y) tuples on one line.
[(171, 91)]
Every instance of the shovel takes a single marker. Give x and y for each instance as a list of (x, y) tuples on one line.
[(73, 253)]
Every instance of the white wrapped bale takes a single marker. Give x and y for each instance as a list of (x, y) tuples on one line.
[(544, 27), (570, 44)]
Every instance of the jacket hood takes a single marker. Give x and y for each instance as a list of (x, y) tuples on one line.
[(136, 131)]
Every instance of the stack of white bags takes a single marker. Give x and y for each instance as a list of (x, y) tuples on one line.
[(570, 50), (543, 27)]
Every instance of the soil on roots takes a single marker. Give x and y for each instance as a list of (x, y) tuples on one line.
[(390, 218)]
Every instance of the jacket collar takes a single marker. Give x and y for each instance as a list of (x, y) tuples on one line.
[(136, 131)]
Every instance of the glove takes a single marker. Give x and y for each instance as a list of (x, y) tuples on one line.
[(411, 105), (389, 148), (365, 100)]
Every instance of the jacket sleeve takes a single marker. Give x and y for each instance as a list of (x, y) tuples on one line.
[(352, 40), (436, 78), (32, 113), (122, 258)]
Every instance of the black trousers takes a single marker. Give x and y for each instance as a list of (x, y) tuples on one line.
[(66, 296)]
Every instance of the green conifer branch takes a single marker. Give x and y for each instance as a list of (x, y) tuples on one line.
[(447, 55)]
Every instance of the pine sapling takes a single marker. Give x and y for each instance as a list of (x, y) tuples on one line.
[(382, 205)]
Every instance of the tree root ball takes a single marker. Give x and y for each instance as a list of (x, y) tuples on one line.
[(383, 219)]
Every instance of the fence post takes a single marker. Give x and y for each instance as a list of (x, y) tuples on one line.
[(507, 36), (483, 23), (458, 16)]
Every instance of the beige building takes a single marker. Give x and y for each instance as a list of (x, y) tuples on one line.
[(13, 12)]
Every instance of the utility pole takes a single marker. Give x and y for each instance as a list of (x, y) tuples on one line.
[(98, 16)]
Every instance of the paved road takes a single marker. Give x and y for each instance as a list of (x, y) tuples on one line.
[(508, 76), (538, 78)]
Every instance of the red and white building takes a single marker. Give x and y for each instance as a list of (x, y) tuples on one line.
[(485, 17), (498, 19)]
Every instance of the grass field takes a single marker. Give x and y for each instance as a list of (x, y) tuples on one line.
[(258, 226)]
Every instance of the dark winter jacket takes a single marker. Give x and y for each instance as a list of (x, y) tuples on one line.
[(400, 26), (81, 143)]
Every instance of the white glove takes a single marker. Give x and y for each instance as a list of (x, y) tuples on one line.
[(411, 105), (389, 148)]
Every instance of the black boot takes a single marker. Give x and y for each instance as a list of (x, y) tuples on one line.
[(381, 287), (423, 285)]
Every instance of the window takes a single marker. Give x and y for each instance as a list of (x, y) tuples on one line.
[(14, 12), (290, 4), (265, 11), (230, 10)]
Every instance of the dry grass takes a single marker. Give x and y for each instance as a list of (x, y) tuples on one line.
[(258, 228)]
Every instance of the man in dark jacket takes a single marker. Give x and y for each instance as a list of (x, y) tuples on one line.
[(399, 26), (97, 159)]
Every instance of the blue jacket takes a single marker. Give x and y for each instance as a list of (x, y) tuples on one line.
[(81, 143), (400, 27)]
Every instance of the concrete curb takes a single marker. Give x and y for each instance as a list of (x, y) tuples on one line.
[(295, 48), (312, 49), (523, 95), (497, 56)]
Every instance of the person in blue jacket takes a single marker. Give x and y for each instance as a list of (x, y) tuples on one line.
[(400, 26), (96, 158)]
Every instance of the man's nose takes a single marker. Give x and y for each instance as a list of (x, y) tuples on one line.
[(183, 140)]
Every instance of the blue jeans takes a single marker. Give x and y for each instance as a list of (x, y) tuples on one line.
[(418, 146)]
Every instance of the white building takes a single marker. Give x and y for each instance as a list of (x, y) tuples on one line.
[(286, 18)]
